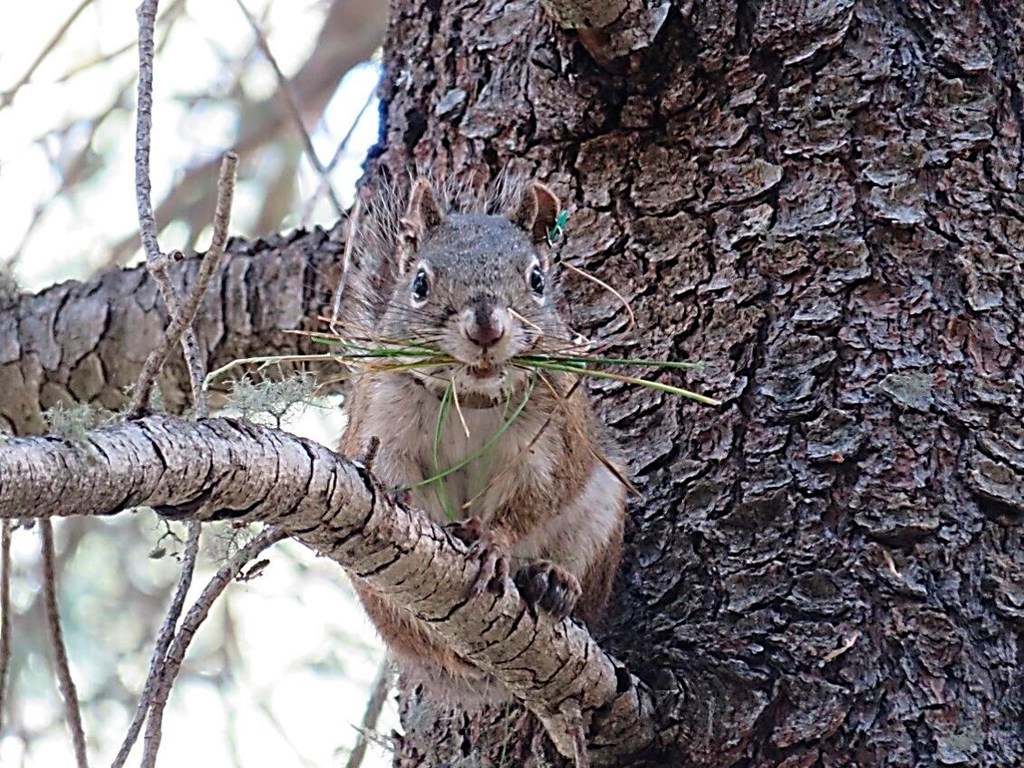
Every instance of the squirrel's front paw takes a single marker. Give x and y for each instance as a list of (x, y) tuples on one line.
[(483, 546), (548, 587)]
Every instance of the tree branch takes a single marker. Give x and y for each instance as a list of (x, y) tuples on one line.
[(86, 342), (196, 615), (68, 692), (146, 14), (222, 469), (378, 695), (163, 641), (351, 32), (185, 315), (292, 107)]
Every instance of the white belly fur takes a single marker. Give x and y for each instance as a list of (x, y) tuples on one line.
[(406, 419), (404, 415), (406, 455), (572, 537)]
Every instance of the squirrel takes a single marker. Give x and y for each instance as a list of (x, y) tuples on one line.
[(545, 499)]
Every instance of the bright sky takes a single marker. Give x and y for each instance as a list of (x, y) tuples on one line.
[(73, 235), (296, 608)]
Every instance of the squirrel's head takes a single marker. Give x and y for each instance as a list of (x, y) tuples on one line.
[(477, 287)]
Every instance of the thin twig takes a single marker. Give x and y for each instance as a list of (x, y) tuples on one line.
[(183, 318), (378, 695), (325, 180), (83, 160), (292, 106), (160, 678), (193, 619), (60, 654), (169, 14), (274, 721), (8, 96), (5, 610), (146, 15), (163, 640), (73, 174)]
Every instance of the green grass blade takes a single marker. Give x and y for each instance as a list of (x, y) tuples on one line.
[(696, 396), (442, 415), (588, 359), (391, 368), (440, 475)]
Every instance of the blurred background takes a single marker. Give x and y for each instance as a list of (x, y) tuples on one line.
[(280, 672)]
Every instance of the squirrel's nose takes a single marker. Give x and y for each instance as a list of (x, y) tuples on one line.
[(484, 325)]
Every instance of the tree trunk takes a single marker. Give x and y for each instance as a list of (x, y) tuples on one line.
[(822, 203)]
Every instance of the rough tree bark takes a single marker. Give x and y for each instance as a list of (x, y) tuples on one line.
[(823, 203), (86, 342)]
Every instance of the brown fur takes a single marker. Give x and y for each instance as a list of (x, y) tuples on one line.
[(544, 490)]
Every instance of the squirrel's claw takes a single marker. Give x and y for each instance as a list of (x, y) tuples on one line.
[(494, 570), (548, 587)]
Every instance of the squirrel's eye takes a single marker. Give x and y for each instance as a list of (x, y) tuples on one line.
[(536, 279), (420, 286)]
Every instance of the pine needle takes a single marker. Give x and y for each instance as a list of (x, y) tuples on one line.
[(612, 291), (570, 368), (442, 412), (383, 355), (439, 475), (458, 408)]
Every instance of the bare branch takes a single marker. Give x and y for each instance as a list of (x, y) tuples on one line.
[(5, 610), (143, 127), (161, 676), (378, 695), (293, 108), (325, 180), (146, 14), (185, 316), (163, 641), (223, 469), (86, 342), (352, 31), (8, 96), (60, 654), (195, 616)]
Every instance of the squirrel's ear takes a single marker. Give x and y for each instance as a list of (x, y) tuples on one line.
[(537, 211), (424, 210), (422, 216)]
